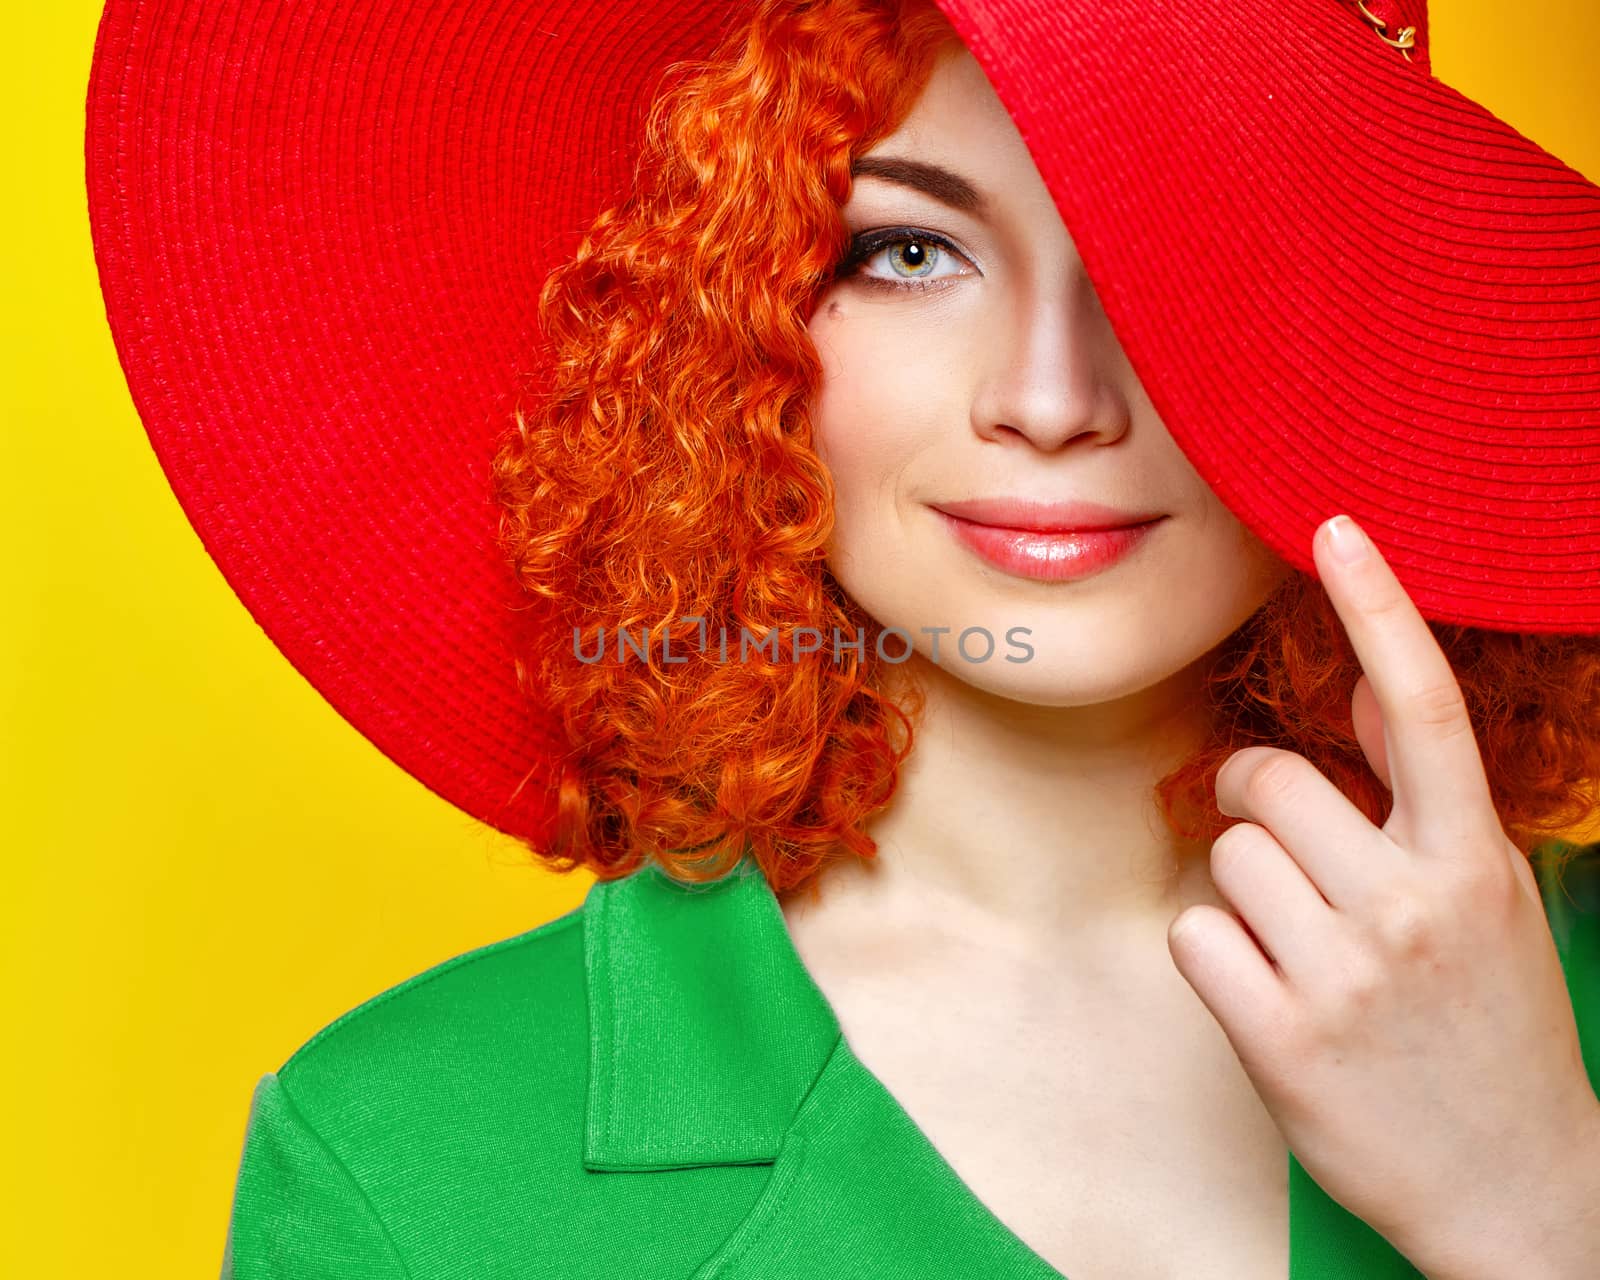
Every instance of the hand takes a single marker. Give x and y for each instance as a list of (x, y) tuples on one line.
[(1401, 1008)]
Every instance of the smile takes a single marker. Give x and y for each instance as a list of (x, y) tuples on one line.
[(1049, 557)]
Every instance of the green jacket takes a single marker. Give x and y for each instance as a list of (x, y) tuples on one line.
[(652, 1086)]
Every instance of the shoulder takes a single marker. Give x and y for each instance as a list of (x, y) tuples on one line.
[(485, 1052), (442, 1127), (436, 1128), (481, 1001)]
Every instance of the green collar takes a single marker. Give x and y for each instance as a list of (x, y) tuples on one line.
[(706, 1030)]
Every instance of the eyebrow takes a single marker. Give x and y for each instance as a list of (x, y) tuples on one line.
[(930, 179)]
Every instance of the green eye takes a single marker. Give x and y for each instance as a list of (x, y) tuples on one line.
[(922, 252), (919, 250)]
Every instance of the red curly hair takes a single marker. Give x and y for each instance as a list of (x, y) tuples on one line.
[(664, 474)]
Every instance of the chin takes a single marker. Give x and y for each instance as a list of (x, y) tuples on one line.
[(1046, 662)]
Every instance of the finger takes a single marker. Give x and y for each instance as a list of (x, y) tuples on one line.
[(1277, 903), (1340, 852), (1368, 721), (1230, 975), (1441, 794)]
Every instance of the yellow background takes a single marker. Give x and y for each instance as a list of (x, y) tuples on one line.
[(205, 864)]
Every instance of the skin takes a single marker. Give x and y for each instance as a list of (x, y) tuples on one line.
[(1380, 999), (1005, 378), (990, 939)]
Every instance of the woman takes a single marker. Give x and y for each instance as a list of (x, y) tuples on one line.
[(932, 958)]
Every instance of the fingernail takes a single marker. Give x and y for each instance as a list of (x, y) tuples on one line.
[(1346, 540)]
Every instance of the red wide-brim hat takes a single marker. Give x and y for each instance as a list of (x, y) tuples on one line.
[(322, 228)]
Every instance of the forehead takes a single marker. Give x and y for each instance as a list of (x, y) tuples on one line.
[(958, 123), (957, 100)]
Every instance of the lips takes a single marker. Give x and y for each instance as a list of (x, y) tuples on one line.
[(1049, 556), (1041, 516)]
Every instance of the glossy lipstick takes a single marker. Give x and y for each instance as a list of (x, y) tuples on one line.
[(1047, 542)]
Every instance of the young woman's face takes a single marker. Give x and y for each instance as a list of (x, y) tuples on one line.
[(971, 360)]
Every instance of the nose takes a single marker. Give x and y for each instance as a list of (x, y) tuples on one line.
[(1051, 368)]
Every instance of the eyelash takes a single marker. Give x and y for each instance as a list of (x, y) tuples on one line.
[(869, 243)]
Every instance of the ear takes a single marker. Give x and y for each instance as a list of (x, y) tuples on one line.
[(1368, 719)]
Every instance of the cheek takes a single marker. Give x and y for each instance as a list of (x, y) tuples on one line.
[(1235, 572), (1226, 553), (1261, 570), (872, 431), (1213, 574)]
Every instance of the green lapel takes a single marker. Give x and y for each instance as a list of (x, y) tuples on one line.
[(704, 1034), (711, 1044)]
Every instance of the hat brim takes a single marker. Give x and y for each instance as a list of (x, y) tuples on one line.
[(321, 231)]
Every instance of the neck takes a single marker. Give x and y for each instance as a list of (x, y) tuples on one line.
[(1034, 826)]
